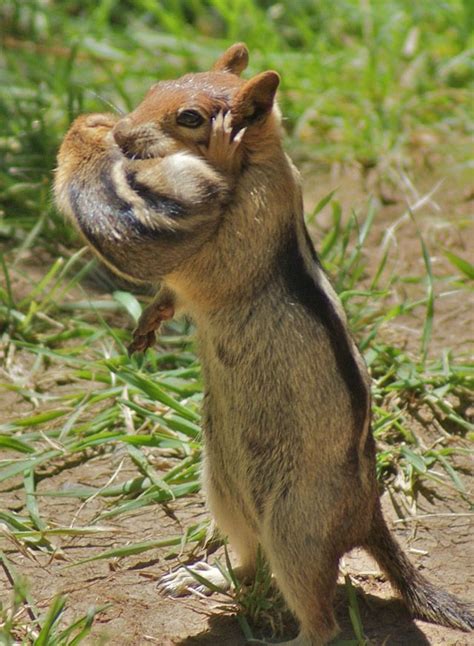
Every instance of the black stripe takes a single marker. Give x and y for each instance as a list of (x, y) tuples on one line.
[(89, 212), (161, 203), (98, 209), (303, 289)]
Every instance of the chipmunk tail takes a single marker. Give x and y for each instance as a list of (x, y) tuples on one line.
[(423, 599)]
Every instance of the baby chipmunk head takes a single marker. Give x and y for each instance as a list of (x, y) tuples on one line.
[(177, 115)]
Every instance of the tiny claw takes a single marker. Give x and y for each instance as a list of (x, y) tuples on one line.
[(218, 120), (227, 121), (239, 136)]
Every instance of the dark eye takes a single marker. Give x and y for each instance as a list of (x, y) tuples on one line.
[(189, 118)]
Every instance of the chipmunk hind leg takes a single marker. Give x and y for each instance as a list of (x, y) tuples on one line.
[(233, 524), (308, 589), (305, 566)]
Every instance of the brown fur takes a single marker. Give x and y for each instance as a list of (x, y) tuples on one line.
[(289, 458)]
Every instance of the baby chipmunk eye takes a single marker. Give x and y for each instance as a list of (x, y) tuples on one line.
[(189, 118)]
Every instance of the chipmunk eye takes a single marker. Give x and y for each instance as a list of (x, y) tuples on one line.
[(189, 118)]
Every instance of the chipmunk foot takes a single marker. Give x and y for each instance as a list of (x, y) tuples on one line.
[(182, 581)]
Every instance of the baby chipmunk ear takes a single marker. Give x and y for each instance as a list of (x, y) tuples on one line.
[(233, 60), (254, 100)]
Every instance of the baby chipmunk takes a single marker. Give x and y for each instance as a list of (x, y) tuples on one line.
[(194, 191)]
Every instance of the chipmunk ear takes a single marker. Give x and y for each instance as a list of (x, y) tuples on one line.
[(233, 60), (255, 99)]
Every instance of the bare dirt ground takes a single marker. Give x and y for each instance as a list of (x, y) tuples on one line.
[(439, 540)]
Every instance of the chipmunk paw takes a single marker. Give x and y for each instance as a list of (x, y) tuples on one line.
[(144, 334), (222, 150), (183, 582), (141, 342)]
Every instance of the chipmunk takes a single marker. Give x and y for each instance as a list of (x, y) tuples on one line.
[(214, 212)]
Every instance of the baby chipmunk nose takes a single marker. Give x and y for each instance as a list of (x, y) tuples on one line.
[(121, 133)]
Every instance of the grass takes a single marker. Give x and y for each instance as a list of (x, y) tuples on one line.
[(379, 86)]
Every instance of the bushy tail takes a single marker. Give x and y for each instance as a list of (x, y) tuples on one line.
[(423, 599)]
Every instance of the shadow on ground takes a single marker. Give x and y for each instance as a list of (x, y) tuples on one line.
[(386, 622)]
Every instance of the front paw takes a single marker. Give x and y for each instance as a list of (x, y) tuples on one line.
[(160, 310), (224, 151)]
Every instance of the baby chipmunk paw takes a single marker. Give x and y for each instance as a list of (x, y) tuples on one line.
[(183, 582), (141, 342), (223, 150), (149, 323)]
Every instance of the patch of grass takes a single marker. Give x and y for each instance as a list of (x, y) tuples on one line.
[(260, 605), (377, 85), (21, 622)]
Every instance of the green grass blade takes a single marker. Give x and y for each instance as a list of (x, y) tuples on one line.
[(32, 502), (463, 265), (196, 534), (354, 612), (45, 637), (156, 393)]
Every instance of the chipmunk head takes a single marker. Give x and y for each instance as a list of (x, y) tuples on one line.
[(176, 115), (133, 187)]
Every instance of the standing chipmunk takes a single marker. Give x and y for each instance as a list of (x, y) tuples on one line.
[(212, 208)]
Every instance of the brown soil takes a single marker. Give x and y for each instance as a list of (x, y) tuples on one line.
[(438, 540)]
